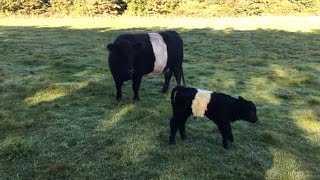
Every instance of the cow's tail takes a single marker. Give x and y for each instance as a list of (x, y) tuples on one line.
[(182, 76)]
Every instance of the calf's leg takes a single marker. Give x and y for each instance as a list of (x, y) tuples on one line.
[(230, 136), (224, 130), (173, 130), (182, 129), (178, 122)]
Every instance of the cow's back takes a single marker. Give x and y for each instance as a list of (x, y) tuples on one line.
[(174, 47)]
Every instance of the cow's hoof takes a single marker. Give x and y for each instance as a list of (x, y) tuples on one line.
[(164, 91), (226, 146), (135, 101), (172, 141), (165, 88), (118, 99)]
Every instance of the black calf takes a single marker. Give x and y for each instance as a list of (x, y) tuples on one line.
[(220, 108)]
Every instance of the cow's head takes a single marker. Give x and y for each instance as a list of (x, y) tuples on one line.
[(122, 53), (248, 110)]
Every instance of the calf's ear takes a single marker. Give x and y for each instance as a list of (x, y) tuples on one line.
[(110, 47)]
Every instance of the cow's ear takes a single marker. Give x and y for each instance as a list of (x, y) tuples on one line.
[(110, 47), (241, 98), (138, 46)]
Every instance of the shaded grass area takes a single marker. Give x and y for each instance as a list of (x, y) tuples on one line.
[(59, 118)]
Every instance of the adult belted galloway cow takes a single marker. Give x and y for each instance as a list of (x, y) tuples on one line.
[(131, 56)]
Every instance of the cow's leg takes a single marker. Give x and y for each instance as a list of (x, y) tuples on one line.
[(177, 74), (119, 92), (136, 81), (167, 78), (173, 130)]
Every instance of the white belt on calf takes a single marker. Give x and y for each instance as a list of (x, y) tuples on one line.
[(200, 102)]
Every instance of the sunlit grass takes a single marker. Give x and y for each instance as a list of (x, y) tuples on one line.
[(115, 117), (307, 120), (59, 118), (286, 166), (52, 93), (288, 23), (45, 96)]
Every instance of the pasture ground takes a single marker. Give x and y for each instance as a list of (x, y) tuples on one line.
[(59, 118)]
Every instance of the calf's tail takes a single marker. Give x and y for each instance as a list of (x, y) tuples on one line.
[(173, 95)]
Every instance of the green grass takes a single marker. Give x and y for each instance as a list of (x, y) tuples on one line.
[(59, 118)]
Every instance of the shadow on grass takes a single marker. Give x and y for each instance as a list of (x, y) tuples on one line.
[(58, 117)]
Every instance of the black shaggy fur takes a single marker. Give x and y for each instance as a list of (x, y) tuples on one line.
[(131, 57), (222, 109)]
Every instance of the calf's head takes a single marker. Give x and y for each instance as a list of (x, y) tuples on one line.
[(247, 110), (121, 55)]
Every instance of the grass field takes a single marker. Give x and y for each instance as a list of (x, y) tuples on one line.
[(59, 118)]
